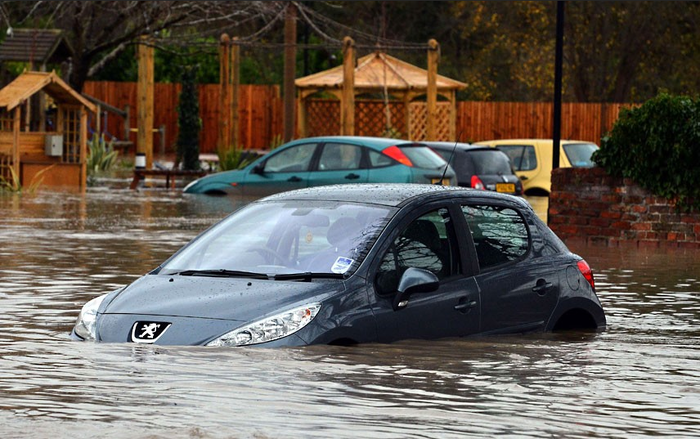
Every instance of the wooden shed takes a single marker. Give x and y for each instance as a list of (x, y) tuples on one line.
[(60, 151), (381, 74)]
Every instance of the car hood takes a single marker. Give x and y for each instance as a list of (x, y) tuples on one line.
[(219, 180), (216, 298)]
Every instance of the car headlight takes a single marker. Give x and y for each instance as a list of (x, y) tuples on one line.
[(270, 328), (86, 324)]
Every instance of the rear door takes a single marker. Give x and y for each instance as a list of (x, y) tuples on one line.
[(518, 291), (339, 163)]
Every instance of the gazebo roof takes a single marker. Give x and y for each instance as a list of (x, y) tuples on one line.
[(29, 83), (376, 71), (35, 45)]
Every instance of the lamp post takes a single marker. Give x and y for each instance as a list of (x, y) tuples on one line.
[(556, 127)]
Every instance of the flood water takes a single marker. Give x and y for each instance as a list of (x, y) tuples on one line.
[(639, 378)]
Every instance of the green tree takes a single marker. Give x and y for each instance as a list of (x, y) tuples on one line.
[(189, 122)]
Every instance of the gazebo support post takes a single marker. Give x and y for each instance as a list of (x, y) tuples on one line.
[(235, 92), (224, 141), (347, 111), (453, 116), (433, 56)]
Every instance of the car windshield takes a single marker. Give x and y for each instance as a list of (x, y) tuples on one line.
[(490, 162), (274, 238), (423, 157), (579, 154)]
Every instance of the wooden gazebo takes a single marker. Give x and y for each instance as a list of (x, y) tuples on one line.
[(60, 151), (377, 74)]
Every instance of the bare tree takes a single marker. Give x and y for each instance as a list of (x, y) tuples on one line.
[(98, 31)]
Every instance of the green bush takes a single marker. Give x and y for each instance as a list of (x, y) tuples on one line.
[(234, 158), (658, 146), (101, 157), (188, 122)]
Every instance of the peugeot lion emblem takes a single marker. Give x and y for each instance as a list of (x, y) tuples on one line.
[(148, 332)]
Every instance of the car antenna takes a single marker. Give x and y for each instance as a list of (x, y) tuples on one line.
[(454, 148)]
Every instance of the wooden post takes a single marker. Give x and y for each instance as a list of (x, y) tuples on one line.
[(235, 92), (433, 55), (407, 115), (453, 116), (16, 127), (290, 55), (224, 140), (302, 125), (144, 92), (347, 104), (83, 146)]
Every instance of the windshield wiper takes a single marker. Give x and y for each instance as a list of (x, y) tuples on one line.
[(307, 276), (223, 273)]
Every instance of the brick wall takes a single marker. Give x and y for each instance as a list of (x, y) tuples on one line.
[(589, 206)]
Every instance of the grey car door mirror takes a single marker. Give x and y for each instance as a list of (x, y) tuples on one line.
[(414, 280)]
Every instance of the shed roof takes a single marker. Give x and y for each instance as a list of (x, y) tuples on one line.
[(29, 83), (377, 70), (35, 45)]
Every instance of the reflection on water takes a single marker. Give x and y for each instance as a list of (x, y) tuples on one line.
[(637, 379)]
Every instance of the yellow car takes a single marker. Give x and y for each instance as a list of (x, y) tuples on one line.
[(532, 159)]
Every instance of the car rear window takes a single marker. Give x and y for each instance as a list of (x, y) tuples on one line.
[(579, 154), (523, 157), (489, 162), (423, 157)]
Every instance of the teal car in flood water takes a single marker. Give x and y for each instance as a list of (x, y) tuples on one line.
[(319, 161)]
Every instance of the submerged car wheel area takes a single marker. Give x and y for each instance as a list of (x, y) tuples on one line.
[(350, 264)]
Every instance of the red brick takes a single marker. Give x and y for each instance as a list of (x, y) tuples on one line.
[(648, 244), (639, 208), (621, 225), (641, 226), (611, 215)]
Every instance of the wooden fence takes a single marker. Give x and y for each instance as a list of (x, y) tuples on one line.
[(261, 110)]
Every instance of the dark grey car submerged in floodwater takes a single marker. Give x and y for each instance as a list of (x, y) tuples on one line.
[(355, 264)]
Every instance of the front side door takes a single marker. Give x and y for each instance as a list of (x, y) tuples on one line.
[(524, 160), (518, 292), (285, 170), (428, 242), (339, 163)]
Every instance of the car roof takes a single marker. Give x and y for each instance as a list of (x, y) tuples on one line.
[(378, 143), (526, 141), (389, 194), (449, 146)]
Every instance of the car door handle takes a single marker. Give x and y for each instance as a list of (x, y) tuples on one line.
[(294, 179), (352, 176), (465, 306), (541, 287), (523, 177)]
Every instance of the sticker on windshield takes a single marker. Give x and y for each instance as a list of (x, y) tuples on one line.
[(341, 265)]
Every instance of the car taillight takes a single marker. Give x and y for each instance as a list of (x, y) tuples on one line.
[(586, 271), (395, 153), (477, 183)]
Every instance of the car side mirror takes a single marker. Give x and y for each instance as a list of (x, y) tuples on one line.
[(258, 169), (414, 280)]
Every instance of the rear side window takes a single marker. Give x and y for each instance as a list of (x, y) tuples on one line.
[(423, 157), (500, 234), (489, 162), (339, 156), (522, 157), (579, 154), (378, 160)]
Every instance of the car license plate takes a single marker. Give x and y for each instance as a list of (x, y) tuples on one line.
[(442, 181), (505, 187)]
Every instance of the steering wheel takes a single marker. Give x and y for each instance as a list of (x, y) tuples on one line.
[(269, 254)]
